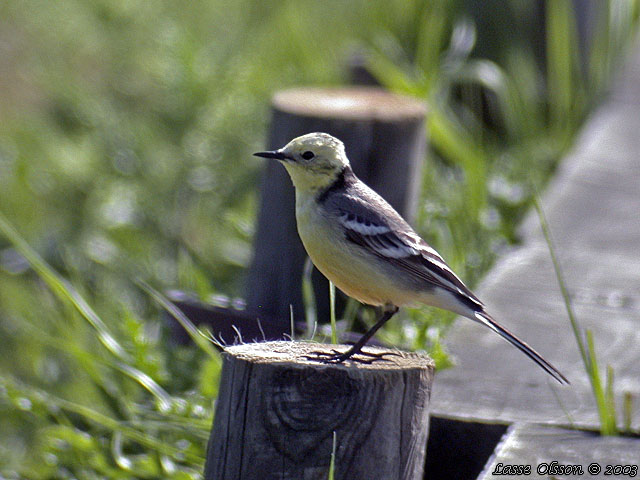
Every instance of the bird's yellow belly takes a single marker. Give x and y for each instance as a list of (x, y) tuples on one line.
[(354, 271)]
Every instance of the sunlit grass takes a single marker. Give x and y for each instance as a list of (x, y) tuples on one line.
[(122, 414)]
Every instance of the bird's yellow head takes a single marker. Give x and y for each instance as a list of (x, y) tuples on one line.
[(313, 160)]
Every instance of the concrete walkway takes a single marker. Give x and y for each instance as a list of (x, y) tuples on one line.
[(593, 208)]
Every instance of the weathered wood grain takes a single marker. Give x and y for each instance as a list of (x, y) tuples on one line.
[(277, 411)]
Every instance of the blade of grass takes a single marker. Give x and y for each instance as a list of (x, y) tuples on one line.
[(117, 452), (431, 34), (63, 289), (175, 424), (453, 141), (89, 360), (607, 417), (560, 278), (564, 79), (332, 465), (199, 338), (350, 312), (627, 411), (606, 410), (566, 412), (148, 383), (610, 399), (309, 299), (97, 418), (332, 312)]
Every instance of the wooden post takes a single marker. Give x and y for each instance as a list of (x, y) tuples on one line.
[(277, 411), (385, 140)]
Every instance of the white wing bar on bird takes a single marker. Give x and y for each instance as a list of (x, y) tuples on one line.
[(407, 250)]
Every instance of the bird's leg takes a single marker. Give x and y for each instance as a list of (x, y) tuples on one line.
[(356, 348)]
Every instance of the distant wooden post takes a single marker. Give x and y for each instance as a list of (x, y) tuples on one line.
[(385, 140), (277, 411)]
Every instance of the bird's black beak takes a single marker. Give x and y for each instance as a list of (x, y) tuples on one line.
[(277, 154)]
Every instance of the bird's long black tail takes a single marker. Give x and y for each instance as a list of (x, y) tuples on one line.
[(486, 319)]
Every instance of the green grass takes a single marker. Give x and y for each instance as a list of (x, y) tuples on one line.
[(122, 405), (111, 400), (332, 313), (332, 465), (603, 396), (125, 170)]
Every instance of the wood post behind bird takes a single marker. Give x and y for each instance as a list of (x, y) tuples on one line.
[(276, 413), (385, 139)]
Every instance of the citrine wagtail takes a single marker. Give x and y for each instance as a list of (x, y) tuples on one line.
[(359, 242)]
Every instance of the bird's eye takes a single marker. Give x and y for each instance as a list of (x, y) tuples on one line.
[(308, 155)]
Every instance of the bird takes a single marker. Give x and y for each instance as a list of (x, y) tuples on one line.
[(362, 244)]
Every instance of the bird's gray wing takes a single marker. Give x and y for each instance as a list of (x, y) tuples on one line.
[(374, 225)]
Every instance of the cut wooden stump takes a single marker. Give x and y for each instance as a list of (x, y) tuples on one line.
[(277, 411), (385, 139)]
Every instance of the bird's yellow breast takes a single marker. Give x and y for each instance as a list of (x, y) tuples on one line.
[(356, 272)]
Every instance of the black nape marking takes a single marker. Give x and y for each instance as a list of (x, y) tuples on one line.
[(345, 177)]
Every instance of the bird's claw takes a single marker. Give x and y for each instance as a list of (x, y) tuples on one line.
[(335, 357)]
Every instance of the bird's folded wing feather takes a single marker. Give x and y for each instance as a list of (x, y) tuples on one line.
[(391, 238)]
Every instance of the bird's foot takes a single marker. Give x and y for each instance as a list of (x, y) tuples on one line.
[(336, 357)]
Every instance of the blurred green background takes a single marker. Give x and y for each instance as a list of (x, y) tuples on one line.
[(126, 133)]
